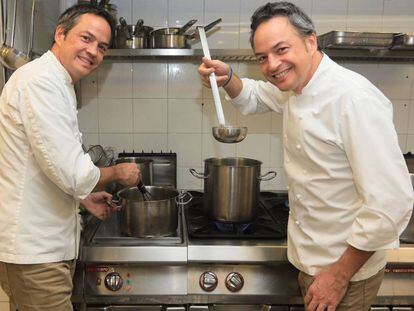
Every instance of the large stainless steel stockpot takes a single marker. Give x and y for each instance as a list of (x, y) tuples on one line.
[(144, 165), (153, 218), (231, 188)]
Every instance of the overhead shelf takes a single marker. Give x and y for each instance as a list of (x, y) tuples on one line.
[(345, 46)]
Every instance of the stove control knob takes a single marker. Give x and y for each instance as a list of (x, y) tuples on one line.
[(234, 282), (208, 281), (113, 281)]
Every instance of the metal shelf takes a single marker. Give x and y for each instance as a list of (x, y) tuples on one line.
[(223, 54), (388, 55)]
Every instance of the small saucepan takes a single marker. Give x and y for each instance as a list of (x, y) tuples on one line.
[(132, 36), (176, 37)]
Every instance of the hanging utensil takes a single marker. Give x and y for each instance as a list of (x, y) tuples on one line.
[(194, 34), (11, 57), (223, 133)]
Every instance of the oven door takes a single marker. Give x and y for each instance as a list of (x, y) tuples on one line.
[(241, 308), (136, 308)]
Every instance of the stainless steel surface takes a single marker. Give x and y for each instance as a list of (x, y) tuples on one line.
[(354, 40), (146, 166), (229, 134), (403, 41), (164, 166), (246, 55), (10, 57), (126, 308), (168, 38), (149, 218), (231, 188), (132, 37), (105, 244)]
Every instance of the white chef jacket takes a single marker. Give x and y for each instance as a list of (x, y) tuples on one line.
[(44, 171), (347, 179)]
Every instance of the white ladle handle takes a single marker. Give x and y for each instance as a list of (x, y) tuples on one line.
[(213, 82)]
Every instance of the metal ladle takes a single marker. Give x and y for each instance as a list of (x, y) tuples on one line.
[(10, 57), (223, 133)]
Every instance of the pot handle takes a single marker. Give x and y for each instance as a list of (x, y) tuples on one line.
[(196, 174), (179, 199), (264, 178)]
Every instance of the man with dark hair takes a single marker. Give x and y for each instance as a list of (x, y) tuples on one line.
[(44, 172), (349, 189)]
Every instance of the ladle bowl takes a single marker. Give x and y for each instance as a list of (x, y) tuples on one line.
[(229, 134)]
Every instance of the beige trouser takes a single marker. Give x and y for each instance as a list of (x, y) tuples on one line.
[(359, 296), (46, 287)]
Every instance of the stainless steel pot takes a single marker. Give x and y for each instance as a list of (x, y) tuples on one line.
[(157, 217), (127, 37), (175, 37), (144, 165), (231, 188)]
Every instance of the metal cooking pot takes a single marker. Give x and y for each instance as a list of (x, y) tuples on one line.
[(175, 37), (132, 37), (144, 165), (157, 217), (231, 188)]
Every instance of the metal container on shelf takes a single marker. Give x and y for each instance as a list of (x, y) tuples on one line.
[(356, 40)]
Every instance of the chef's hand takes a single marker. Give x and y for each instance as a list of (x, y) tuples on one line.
[(127, 174), (99, 204), (218, 67), (327, 290)]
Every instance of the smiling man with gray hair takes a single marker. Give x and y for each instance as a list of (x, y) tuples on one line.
[(349, 189)]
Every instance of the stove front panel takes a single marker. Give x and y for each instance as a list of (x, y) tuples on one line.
[(129, 280)]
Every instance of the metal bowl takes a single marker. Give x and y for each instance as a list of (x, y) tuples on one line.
[(229, 134)]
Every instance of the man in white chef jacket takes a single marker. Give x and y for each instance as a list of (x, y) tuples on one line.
[(44, 172), (349, 188)]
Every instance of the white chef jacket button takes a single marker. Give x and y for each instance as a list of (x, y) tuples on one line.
[(298, 196), (287, 187), (297, 222), (304, 172), (315, 112), (284, 135), (300, 117), (290, 212), (313, 93), (298, 146)]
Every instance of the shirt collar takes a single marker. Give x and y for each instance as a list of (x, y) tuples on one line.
[(313, 83), (65, 74)]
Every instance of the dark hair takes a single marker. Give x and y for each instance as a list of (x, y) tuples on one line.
[(299, 19), (68, 19)]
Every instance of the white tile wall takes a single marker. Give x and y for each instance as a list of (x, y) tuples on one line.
[(161, 105)]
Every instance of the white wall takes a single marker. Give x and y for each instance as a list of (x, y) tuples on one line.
[(161, 105)]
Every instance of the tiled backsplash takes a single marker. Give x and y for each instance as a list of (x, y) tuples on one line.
[(161, 105)]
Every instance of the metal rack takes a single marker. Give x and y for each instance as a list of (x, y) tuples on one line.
[(388, 55), (339, 45)]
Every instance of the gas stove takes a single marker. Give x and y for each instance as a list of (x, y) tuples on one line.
[(206, 265)]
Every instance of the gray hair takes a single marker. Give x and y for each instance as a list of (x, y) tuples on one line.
[(299, 19), (70, 17)]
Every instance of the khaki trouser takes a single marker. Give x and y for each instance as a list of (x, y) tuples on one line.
[(46, 287), (359, 296)]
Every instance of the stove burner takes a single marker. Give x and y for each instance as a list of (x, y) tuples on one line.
[(231, 227), (270, 221)]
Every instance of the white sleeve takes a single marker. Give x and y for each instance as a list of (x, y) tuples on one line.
[(50, 125), (259, 97), (380, 173)]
